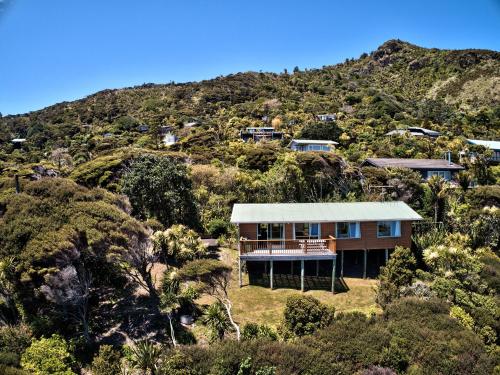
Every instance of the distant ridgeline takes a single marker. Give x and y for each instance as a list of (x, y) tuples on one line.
[(456, 92)]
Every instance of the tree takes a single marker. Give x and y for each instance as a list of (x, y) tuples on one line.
[(106, 362), (214, 278), (217, 320), (145, 356), (61, 157), (159, 187), (321, 130), (397, 273), (173, 298), (70, 288), (305, 314), (439, 190), (8, 310), (138, 260), (48, 356), (179, 244), (464, 180), (284, 181)]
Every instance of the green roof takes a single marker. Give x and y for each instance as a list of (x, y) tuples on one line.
[(321, 212)]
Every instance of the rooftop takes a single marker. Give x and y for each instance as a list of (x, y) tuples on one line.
[(414, 130), (313, 142), (494, 145), (413, 163), (321, 212)]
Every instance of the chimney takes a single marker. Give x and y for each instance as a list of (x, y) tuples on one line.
[(448, 157)]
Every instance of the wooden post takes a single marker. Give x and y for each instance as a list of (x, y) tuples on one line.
[(271, 273), (317, 267), (333, 273), (291, 267), (386, 256), (342, 264), (239, 272), (365, 260), (265, 267), (302, 275), (18, 187)]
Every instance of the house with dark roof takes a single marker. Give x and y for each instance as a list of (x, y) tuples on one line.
[(280, 240), (312, 145), (415, 131), (427, 167), (258, 134), (494, 146)]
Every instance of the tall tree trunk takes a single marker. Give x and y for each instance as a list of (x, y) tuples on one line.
[(172, 332), (227, 304)]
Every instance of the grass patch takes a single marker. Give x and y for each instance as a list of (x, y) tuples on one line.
[(262, 305)]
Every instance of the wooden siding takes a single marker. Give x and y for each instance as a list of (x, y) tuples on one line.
[(368, 240)]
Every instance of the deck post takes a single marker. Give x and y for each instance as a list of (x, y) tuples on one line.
[(386, 256), (333, 273), (265, 267), (271, 273), (342, 264), (239, 272), (317, 267), (302, 275), (365, 259), (291, 267)]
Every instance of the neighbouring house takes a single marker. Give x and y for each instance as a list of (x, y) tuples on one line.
[(312, 145), (427, 167), (169, 139), (18, 142), (327, 117), (492, 145), (415, 131), (143, 128), (280, 240), (260, 133), (192, 124)]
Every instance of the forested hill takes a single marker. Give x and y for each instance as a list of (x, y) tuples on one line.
[(456, 91)]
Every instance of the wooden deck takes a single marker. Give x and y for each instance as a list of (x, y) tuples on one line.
[(285, 249)]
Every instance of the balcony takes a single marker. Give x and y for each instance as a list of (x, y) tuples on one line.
[(285, 249)]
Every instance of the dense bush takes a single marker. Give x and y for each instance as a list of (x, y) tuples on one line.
[(48, 356), (305, 314)]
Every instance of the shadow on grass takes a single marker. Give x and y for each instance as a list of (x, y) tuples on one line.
[(287, 281)]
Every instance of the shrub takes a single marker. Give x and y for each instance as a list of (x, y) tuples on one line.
[(15, 339), (305, 314), (106, 362), (398, 272), (217, 228), (258, 331), (9, 359), (48, 356)]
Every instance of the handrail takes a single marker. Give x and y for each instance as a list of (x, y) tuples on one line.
[(288, 246)]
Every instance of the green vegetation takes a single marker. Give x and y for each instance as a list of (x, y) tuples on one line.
[(101, 253)]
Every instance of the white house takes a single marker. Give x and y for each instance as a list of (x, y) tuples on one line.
[(312, 145)]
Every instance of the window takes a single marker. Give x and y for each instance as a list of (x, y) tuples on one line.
[(306, 230), (270, 232), (348, 230), (443, 174), (389, 229)]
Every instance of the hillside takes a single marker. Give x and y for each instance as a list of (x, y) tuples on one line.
[(112, 243), (398, 84)]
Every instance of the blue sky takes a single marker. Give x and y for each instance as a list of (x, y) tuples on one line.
[(56, 50)]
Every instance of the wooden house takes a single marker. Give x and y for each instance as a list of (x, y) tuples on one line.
[(313, 234), (444, 168)]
